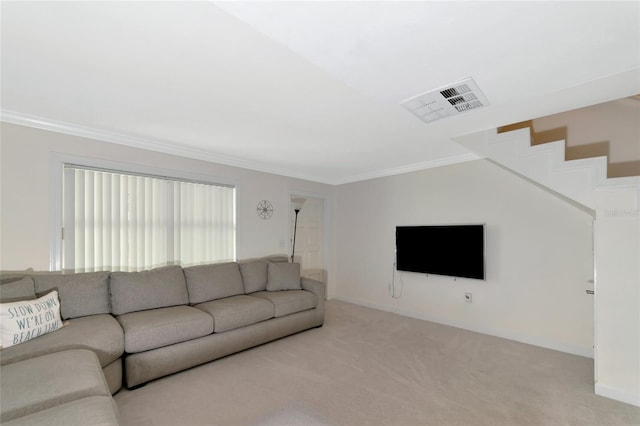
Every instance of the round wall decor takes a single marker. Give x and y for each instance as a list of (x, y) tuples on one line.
[(265, 209)]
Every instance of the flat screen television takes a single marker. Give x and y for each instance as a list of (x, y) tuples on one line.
[(452, 250)]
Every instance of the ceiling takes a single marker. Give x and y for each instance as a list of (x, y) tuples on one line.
[(307, 89)]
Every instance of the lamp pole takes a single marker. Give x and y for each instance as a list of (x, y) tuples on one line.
[(297, 206), (295, 229)]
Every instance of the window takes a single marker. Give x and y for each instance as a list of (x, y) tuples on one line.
[(123, 221)]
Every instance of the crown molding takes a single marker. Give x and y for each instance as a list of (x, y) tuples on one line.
[(175, 148), (163, 146), (415, 167)]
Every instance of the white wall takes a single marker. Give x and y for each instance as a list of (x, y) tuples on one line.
[(617, 232), (25, 161), (539, 253)]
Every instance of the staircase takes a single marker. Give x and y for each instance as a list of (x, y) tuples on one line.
[(615, 206), (545, 164)]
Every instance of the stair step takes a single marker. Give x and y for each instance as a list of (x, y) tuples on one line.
[(621, 182), (597, 166), (554, 148)]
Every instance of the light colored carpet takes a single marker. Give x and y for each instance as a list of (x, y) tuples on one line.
[(368, 367)]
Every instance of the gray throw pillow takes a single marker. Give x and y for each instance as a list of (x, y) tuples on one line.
[(254, 276), (283, 276), (157, 288), (80, 294), (211, 282), (18, 290)]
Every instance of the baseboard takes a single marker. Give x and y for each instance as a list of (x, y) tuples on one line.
[(505, 334), (617, 394)]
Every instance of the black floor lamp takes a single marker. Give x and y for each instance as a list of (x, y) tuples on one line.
[(297, 204)]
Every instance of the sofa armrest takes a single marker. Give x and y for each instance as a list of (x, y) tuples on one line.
[(317, 287)]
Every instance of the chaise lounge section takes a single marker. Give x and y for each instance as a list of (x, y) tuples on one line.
[(85, 307), (60, 388)]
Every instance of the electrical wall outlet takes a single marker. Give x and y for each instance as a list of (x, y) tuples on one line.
[(468, 297)]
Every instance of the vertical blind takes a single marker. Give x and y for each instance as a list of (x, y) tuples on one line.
[(127, 222)]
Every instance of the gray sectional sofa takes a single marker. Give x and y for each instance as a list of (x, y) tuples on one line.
[(132, 327)]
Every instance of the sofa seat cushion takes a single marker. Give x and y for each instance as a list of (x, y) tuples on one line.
[(46, 381), (155, 328), (94, 410), (100, 333), (237, 311), (288, 302)]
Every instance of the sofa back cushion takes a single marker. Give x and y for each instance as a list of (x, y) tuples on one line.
[(276, 258), (80, 294), (283, 276), (215, 281), (17, 289), (254, 275), (157, 288)]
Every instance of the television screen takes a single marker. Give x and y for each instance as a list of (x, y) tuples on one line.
[(453, 250)]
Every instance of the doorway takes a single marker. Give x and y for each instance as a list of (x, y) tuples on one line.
[(309, 235)]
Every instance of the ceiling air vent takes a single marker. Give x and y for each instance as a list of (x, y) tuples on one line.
[(446, 101)]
